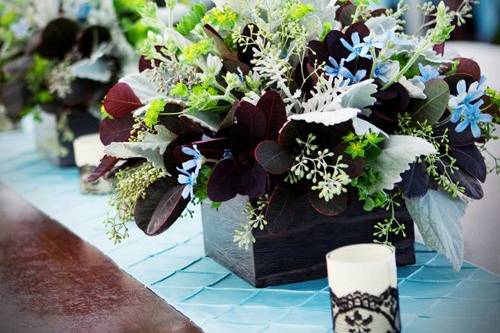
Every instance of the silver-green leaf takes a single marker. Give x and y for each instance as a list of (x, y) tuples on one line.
[(432, 108), (359, 95), (398, 153), (152, 147), (437, 216)]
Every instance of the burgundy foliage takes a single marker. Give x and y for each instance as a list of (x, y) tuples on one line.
[(243, 174), (105, 165), (162, 205), (116, 130), (121, 100), (281, 209)]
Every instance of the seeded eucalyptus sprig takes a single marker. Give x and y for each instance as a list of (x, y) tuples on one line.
[(390, 225), (324, 169), (440, 166), (131, 184)]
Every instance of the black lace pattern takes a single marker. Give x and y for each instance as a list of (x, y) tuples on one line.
[(365, 313)]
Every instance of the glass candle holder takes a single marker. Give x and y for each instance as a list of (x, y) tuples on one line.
[(363, 289)]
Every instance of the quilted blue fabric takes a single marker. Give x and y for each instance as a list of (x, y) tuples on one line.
[(434, 298)]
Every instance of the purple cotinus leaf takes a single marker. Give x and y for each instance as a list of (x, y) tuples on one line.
[(280, 211), (161, 206)]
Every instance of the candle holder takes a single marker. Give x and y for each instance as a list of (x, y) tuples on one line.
[(88, 152), (363, 289)]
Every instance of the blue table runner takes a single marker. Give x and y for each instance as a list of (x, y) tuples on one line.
[(433, 297)]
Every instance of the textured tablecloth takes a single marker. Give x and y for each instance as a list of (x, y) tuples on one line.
[(433, 297)]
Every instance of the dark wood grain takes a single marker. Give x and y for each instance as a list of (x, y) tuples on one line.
[(297, 253), (51, 281)]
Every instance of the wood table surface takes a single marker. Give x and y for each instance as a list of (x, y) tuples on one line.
[(52, 281)]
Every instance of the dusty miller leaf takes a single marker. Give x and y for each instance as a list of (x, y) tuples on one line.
[(208, 120), (359, 95), (414, 87), (437, 216), (142, 85), (362, 127), (329, 118), (381, 24), (325, 98), (399, 152), (92, 69), (152, 147), (331, 95)]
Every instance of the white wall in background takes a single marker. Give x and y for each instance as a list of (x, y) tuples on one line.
[(481, 223)]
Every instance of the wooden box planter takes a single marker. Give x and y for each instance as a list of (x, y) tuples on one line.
[(50, 138), (297, 254)]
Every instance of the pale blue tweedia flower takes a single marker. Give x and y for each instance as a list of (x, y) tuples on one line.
[(471, 116), (20, 28), (357, 49), (196, 161), (358, 77), (464, 96), (427, 73), (189, 180), (336, 69)]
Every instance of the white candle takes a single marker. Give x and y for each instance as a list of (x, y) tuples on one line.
[(363, 288), (88, 150)]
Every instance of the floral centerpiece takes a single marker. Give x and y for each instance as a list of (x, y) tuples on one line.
[(304, 111), (74, 52)]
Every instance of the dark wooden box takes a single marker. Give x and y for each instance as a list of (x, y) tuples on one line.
[(50, 140), (298, 254)]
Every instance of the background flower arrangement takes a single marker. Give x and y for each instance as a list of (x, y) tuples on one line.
[(72, 52), (280, 100)]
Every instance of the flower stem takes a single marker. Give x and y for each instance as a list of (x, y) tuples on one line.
[(408, 65)]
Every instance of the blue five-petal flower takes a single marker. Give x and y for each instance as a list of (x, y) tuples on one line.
[(465, 110), (382, 69), (228, 154), (338, 70), (189, 180), (357, 49), (427, 73), (472, 116), (196, 161), (190, 170)]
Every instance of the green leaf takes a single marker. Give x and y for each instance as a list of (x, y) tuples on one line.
[(189, 21), (154, 110), (432, 108), (437, 216)]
